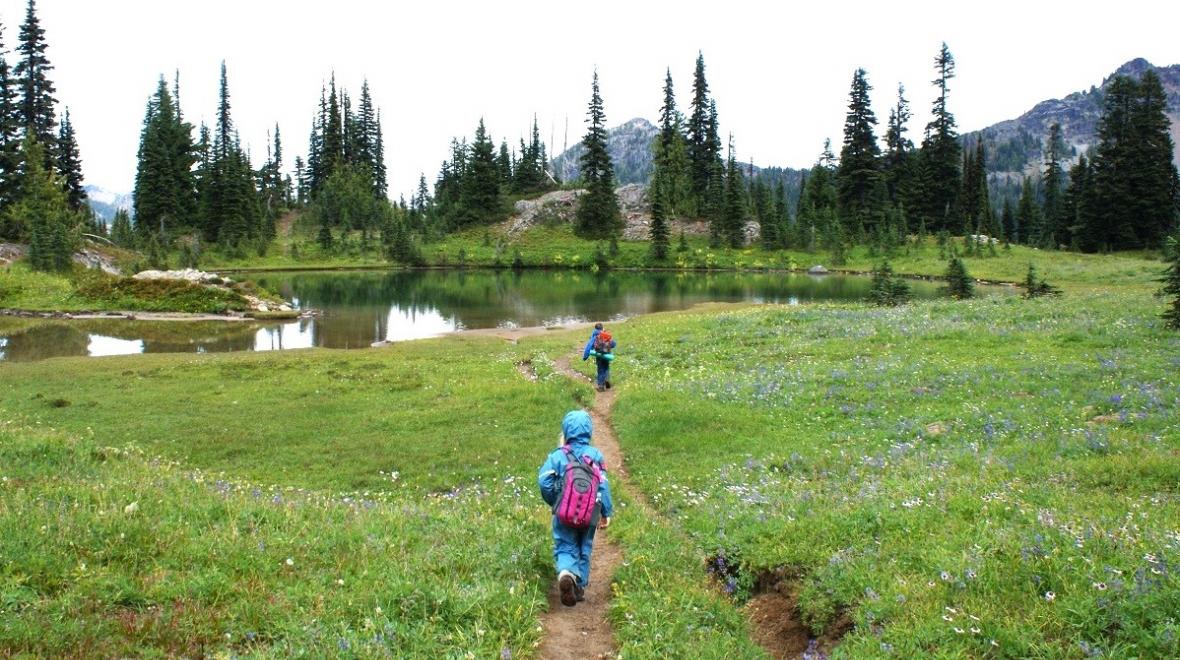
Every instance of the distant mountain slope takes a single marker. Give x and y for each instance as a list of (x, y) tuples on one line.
[(630, 149), (1015, 146), (105, 203)]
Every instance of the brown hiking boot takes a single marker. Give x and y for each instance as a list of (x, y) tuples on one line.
[(579, 592), (567, 583)]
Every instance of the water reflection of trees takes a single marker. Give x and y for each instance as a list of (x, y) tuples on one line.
[(357, 304), (45, 339)]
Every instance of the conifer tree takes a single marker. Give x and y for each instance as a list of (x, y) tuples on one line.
[(504, 165), (480, 185), (1035, 287), (1074, 214), (36, 110), (10, 132), (598, 214), (940, 157), (897, 158), (886, 289), (165, 189), (380, 171), (1028, 214), (733, 221), (333, 132), (859, 169), (69, 164), (958, 283), (817, 202), (975, 199), (122, 234), (1008, 222), (1133, 192), (1171, 286), (704, 146), (1053, 189), (670, 155), (659, 224), (43, 210)]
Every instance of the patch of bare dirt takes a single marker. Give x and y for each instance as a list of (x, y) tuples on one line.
[(779, 628), (527, 370)]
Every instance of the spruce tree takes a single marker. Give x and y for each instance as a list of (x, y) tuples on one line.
[(1074, 214), (1053, 189), (670, 155), (859, 169), (43, 211), (940, 157), (1028, 214), (958, 283), (36, 110), (886, 289), (1171, 286), (165, 190), (898, 151), (598, 214), (974, 197), (1035, 287), (733, 221), (480, 187), (704, 147), (10, 135), (659, 224), (1134, 191), (122, 234), (69, 164)]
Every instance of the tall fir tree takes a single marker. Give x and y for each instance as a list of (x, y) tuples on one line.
[(1133, 197), (898, 151), (1028, 214), (859, 170), (1074, 211), (940, 179), (37, 106), (733, 220), (704, 146), (51, 228), (1053, 189), (480, 187), (598, 215), (69, 164), (1171, 288), (974, 197), (10, 133), (659, 224), (165, 197), (670, 155)]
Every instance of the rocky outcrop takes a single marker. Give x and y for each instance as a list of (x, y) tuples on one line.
[(90, 258), (203, 278), (560, 206)]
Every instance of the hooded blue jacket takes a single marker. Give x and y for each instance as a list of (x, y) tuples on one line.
[(576, 430), (590, 344)]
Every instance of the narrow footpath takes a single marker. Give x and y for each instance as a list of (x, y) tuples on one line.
[(584, 631)]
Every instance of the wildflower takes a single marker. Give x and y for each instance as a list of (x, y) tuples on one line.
[(339, 583), (290, 561), (971, 574), (948, 618), (1100, 586), (959, 631), (378, 610), (946, 577), (974, 630), (130, 509), (505, 653), (1050, 596)]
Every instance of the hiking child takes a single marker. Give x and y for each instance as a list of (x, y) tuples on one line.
[(573, 482), (601, 345)]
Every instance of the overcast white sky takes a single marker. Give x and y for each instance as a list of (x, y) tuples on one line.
[(779, 71)]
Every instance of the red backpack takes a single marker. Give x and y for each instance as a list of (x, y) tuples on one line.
[(602, 343), (577, 503)]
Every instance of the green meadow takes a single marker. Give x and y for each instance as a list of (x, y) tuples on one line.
[(987, 478)]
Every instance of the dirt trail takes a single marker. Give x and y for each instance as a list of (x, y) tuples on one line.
[(583, 631), (773, 614)]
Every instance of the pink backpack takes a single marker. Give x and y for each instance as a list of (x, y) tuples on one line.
[(577, 504)]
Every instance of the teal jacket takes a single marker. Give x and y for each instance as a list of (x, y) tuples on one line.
[(576, 429)]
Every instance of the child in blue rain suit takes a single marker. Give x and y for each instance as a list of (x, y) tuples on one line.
[(603, 379), (572, 547)]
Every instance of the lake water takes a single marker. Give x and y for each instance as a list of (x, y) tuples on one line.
[(363, 307)]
